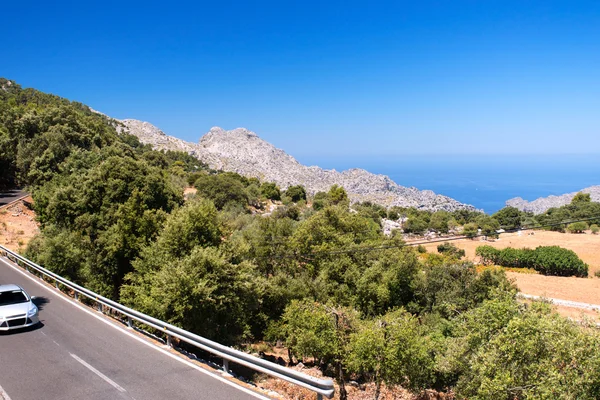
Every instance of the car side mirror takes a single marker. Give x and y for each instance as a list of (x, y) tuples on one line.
[(33, 297)]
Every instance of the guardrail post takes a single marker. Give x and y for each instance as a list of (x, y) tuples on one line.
[(56, 284), (226, 365), (100, 307), (319, 396), (169, 342), (76, 296), (129, 322)]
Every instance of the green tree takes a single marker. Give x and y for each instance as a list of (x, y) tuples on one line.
[(416, 225), (488, 226), (394, 349), (537, 355), (200, 292), (296, 193), (194, 224), (509, 218), (470, 230), (320, 201), (319, 331), (577, 227), (222, 189), (451, 250), (439, 221), (270, 191), (337, 196), (581, 198)]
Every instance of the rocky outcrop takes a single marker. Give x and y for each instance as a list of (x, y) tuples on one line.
[(242, 151), (542, 204)]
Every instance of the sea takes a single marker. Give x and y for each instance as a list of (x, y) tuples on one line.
[(486, 182)]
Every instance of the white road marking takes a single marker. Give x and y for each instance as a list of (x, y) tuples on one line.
[(3, 394), (149, 344), (100, 374)]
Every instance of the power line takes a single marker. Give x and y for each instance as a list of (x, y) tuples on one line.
[(367, 249)]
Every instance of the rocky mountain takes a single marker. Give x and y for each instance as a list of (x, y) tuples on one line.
[(242, 151), (542, 204)]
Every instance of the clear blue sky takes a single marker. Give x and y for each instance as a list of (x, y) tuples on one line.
[(331, 77)]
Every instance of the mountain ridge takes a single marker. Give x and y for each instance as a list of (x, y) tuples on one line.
[(542, 204), (243, 151)]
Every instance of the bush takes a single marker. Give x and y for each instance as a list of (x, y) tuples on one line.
[(451, 250), (595, 229), (577, 227), (296, 193), (319, 201), (416, 225), (554, 260), (270, 191), (548, 260), (470, 230), (488, 254), (222, 189), (421, 249)]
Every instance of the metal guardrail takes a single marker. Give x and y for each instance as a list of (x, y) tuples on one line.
[(322, 387), (13, 201)]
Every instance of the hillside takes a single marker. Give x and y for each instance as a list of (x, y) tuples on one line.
[(542, 204), (244, 152)]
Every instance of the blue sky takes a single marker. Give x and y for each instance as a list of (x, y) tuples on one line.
[(327, 78)]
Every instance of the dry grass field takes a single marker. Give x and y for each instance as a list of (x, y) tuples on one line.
[(587, 246)]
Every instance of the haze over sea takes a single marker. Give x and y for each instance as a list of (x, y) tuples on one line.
[(483, 181)]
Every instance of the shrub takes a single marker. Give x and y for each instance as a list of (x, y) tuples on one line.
[(595, 229), (222, 189), (488, 254), (270, 191), (554, 260), (393, 215), (577, 227), (451, 250), (548, 260), (296, 193), (416, 225), (421, 249), (470, 230)]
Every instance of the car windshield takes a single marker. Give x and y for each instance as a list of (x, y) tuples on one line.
[(12, 297)]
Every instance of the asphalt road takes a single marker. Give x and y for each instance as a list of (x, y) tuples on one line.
[(80, 354), (8, 195)]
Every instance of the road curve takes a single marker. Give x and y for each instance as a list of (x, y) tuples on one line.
[(78, 353)]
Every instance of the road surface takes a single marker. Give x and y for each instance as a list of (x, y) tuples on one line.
[(8, 195), (80, 354)]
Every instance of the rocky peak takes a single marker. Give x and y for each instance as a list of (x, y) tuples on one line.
[(542, 204), (241, 150)]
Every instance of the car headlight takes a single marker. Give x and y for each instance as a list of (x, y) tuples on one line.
[(32, 312)]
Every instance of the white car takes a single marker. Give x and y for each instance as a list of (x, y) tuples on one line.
[(16, 308)]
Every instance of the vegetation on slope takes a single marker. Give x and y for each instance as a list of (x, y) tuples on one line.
[(114, 219)]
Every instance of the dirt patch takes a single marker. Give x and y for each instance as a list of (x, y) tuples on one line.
[(356, 391), (189, 192), (584, 290), (578, 314), (17, 225), (587, 247)]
